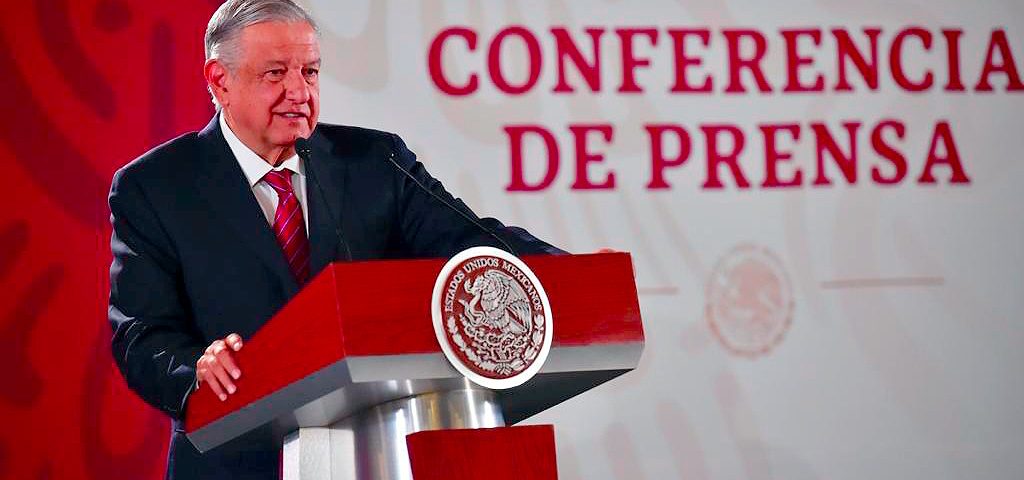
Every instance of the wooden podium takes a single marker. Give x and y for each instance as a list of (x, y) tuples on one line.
[(350, 370)]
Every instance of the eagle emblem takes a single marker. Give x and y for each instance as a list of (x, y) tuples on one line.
[(492, 317), (498, 303)]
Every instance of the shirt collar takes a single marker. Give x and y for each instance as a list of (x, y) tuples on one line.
[(252, 164)]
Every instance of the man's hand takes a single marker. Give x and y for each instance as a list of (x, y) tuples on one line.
[(217, 369)]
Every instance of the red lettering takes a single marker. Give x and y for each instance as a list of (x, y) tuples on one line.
[(846, 50), (683, 61), (584, 157), (434, 62), (954, 84), (847, 163), (1006, 64), (659, 162), (716, 156), (494, 60), (566, 48), (886, 151), (794, 60), (516, 134), (896, 59), (737, 62), (951, 156), (629, 60), (772, 156)]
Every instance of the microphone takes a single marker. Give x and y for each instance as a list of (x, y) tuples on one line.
[(391, 158), (305, 151)]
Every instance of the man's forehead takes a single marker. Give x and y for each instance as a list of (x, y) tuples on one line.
[(269, 44), (281, 35)]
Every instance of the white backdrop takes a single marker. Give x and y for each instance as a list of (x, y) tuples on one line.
[(842, 331)]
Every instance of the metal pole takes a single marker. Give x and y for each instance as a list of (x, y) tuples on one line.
[(370, 445)]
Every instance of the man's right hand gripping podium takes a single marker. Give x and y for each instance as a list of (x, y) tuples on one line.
[(257, 297)]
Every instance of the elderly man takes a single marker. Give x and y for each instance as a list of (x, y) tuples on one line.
[(214, 231)]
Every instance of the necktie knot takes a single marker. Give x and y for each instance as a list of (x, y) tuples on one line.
[(279, 180)]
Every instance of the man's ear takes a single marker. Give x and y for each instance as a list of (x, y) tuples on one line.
[(216, 74)]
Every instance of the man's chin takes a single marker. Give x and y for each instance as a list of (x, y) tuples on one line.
[(288, 138)]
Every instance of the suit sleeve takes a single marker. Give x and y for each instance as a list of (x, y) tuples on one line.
[(432, 229), (154, 342)]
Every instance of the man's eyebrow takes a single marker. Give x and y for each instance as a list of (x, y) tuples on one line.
[(314, 63)]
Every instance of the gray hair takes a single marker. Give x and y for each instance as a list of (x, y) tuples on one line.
[(234, 15)]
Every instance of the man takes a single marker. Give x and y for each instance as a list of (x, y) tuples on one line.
[(214, 231)]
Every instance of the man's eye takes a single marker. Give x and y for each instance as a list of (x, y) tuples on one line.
[(312, 72), (277, 72)]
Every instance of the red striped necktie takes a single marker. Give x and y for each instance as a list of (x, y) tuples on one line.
[(289, 225)]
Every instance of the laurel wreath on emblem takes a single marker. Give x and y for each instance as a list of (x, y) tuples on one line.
[(503, 338)]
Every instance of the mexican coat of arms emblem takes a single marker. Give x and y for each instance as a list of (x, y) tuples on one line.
[(492, 317)]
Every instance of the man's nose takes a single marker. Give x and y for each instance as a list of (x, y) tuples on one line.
[(296, 89)]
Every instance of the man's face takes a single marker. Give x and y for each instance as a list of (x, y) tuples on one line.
[(271, 92)]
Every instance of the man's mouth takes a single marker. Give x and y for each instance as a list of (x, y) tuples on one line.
[(292, 115)]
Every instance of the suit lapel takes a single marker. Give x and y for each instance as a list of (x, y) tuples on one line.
[(330, 172), (223, 184)]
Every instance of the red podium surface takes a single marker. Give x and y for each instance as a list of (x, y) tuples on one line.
[(527, 453), (360, 335)]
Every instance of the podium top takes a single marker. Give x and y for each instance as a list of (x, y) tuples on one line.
[(360, 334)]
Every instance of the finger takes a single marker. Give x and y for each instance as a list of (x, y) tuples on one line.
[(211, 380), (223, 377), (224, 357), (214, 347), (234, 341)]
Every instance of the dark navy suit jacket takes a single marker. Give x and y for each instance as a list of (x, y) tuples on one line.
[(194, 259)]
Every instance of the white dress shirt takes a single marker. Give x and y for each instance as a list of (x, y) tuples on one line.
[(255, 168)]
